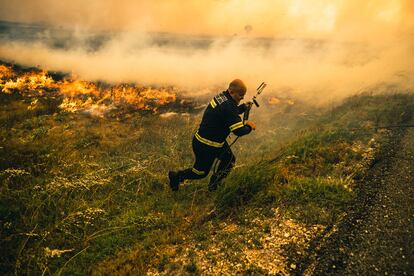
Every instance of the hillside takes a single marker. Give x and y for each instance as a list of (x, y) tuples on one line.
[(83, 171), (376, 235)]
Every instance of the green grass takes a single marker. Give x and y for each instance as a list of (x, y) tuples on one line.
[(243, 186), (314, 175), (98, 186), (315, 200)]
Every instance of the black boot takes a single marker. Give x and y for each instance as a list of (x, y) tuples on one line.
[(214, 182), (174, 180)]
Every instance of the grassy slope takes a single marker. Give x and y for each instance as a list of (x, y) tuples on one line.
[(97, 187)]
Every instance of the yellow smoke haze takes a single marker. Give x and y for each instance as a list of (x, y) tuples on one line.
[(325, 49), (219, 17)]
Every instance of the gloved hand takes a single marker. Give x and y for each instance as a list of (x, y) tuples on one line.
[(251, 124), (245, 106), (248, 105)]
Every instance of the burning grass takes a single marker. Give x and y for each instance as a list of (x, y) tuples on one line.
[(79, 95)]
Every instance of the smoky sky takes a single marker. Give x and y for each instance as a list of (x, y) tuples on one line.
[(318, 49), (224, 17)]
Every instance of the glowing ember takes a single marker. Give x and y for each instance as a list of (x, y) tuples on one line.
[(84, 96), (168, 115), (274, 100)]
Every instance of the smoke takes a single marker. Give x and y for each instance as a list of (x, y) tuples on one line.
[(320, 50), (218, 17)]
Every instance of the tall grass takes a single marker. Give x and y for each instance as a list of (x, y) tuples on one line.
[(314, 175), (77, 190), (243, 186)]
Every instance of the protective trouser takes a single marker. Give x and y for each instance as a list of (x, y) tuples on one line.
[(221, 160)]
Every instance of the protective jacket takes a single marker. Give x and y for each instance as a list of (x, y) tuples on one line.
[(211, 150), (220, 118)]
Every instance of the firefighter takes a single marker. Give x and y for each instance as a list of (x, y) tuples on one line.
[(210, 147)]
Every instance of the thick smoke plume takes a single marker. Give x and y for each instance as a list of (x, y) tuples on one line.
[(320, 50)]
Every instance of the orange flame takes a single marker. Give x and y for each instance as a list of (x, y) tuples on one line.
[(5, 72), (32, 82), (84, 95)]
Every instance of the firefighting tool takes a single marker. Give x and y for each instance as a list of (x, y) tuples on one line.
[(259, 90), (254, 101), (246, 114)]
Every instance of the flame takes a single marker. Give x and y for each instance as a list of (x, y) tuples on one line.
[(79, 95), (276, 100), (290, 102), (5, 72), (72, 88), (31, 82), (144, 98)]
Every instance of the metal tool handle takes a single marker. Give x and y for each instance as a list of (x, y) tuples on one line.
[(247, 113), (249, 106)]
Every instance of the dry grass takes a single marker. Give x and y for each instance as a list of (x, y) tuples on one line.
[(86, 194)]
